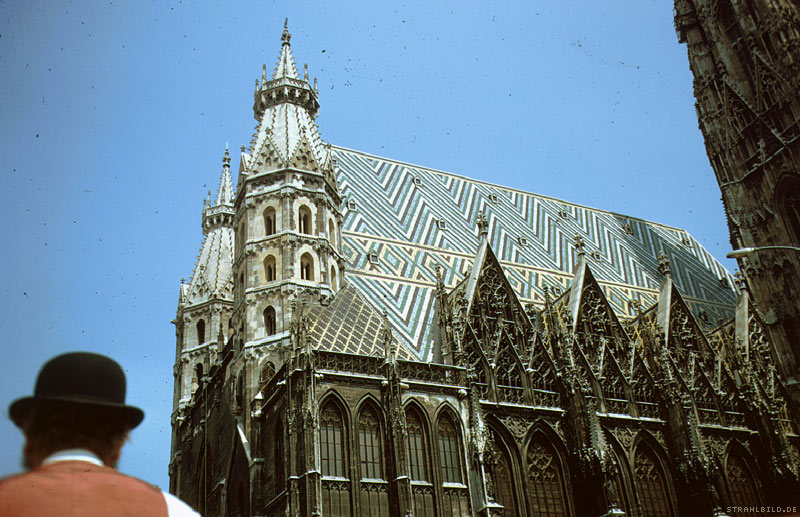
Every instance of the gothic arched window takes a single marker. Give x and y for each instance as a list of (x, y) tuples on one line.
[(304, 220), (332, 233), (306, 267), (544, 475), (454, 498), (789, 204), (269, 269), (280, 471), (651, 486), (334, 285), (369, 444), (269, 221), (504, 480), (418, 464), (449, 450), (201, 332), (270, 322), (374, 490), (740, 483), (335, 485)]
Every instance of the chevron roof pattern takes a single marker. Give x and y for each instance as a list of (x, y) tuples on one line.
[(402, 220)]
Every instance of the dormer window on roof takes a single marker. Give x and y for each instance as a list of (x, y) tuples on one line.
[(522, 240), (351, 205), (372, 257), (441, 224), (494, 199)]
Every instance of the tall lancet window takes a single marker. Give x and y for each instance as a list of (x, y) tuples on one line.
[(269, 269), (650, 484), (306, 267), (545, 486), (374, 489), (304, 220), (418, 464), (454, 493), (201, 332), (504, 480), (741, 485), (270, 321), (332, 233), (335, 483), (269, 221)]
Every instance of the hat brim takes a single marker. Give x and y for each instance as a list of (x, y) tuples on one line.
[(133, 416)]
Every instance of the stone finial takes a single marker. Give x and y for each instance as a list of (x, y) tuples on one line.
[(579, 245), (241, 149), (663, 265), (263, 75), (739, 280), (286, 36), (226, 159), (305, 72), (483, 225)]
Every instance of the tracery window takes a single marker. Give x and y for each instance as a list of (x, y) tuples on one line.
[(416, 447), (269, 221), (791, 211), (504, 480), (454, 493), (740, 484), (304, 220), (544, 480), (374, 490), (448, 451), (369, 445), (650, 484), (335, 485), (418, 465)]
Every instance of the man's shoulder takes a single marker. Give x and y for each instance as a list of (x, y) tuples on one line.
[(177, 508)]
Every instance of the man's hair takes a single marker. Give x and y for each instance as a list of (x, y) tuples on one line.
[(54, 427)]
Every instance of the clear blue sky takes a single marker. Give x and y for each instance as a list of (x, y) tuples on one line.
[(114, 118)]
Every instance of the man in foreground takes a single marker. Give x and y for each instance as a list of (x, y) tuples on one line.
[(75, 425)]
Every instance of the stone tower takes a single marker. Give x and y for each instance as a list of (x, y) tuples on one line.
[(287, 220), (745, 57), (206, 302)]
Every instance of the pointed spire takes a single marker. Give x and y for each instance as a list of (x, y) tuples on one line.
[(225, 192), (286, 67)]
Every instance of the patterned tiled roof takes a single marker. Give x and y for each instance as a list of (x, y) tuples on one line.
[(349, 324), (401, 220)]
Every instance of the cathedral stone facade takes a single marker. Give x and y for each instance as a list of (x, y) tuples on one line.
[(745, 57), (363, 336)]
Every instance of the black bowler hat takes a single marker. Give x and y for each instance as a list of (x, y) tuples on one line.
[(80, 379)]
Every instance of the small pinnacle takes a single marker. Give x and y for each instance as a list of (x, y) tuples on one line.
[(739, 280), (263, 74), (286, 36), (483, 225), (663, 265), (305, 72), (579, 245)]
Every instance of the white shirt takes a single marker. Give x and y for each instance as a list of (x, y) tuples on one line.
[(175, 507)]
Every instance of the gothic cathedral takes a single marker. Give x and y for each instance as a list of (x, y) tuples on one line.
[(366, 337)]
